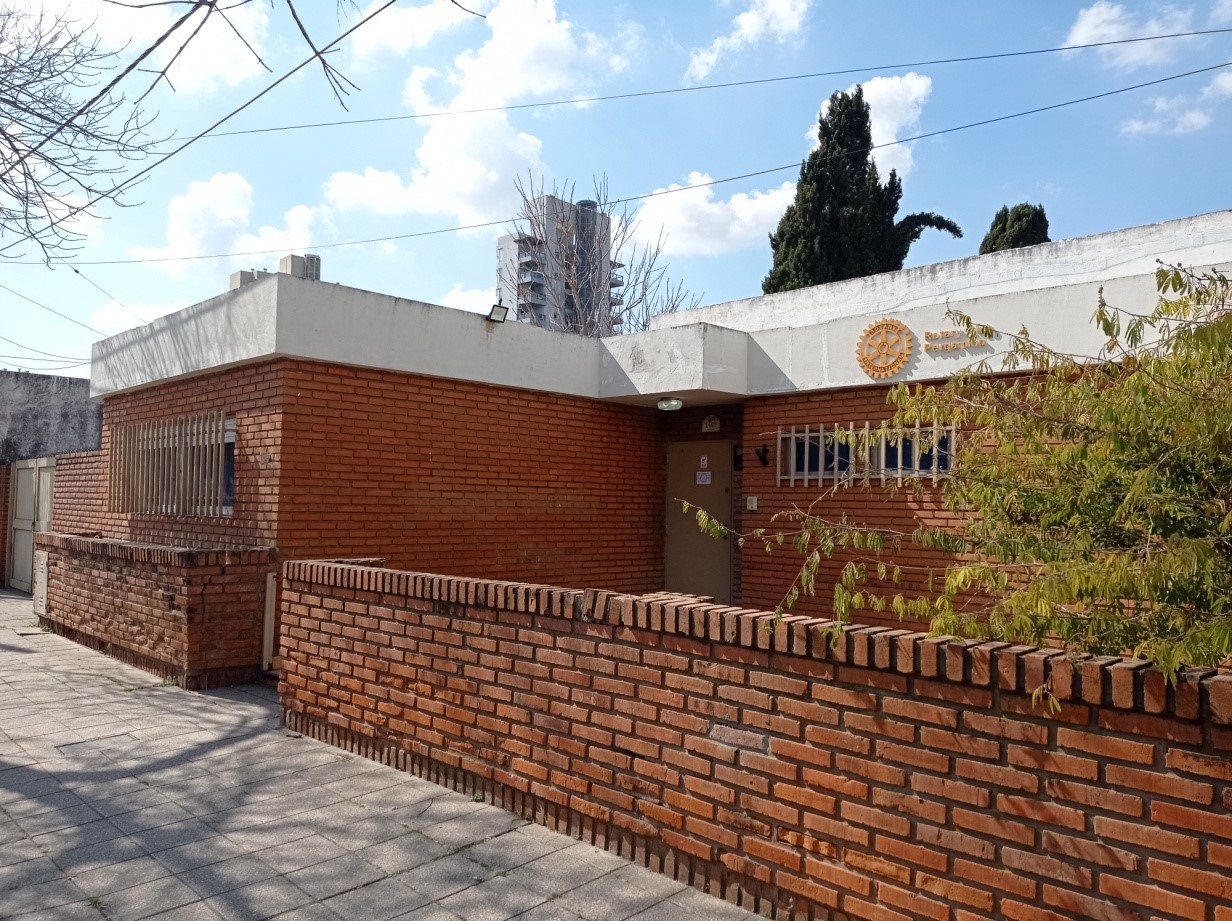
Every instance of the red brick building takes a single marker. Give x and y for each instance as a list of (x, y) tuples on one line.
[(294, 419)]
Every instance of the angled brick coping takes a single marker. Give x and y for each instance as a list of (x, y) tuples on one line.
[(153, 554), (893, 776), (189, 614), (1202, 695)]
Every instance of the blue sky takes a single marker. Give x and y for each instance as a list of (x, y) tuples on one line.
[(1135, 158)]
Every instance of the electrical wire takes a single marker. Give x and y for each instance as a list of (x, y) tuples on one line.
[(701, 185), (80, 274), (586, 100), (53, 361), (44, 370), (51, 310), (50, 355)]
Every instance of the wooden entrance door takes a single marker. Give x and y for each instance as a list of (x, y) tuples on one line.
[(699, 472), (33, 484)]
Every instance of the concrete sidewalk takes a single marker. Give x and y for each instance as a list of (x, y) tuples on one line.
[(123, 798)]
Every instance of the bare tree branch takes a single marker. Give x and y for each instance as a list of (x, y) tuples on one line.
[(62, 140), (66, 130), (336, 80)]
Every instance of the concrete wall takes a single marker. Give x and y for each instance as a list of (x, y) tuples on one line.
[(1202, 240), (284, 316), (43, 414), (893, 777)]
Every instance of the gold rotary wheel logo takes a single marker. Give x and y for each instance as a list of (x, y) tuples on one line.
[(884, 349)]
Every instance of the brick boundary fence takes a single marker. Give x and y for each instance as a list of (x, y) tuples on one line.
[(194, 616), (890, 776)]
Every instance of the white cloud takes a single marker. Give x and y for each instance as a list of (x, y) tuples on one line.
[(214, 59), (116, 316), (409, 28), (465, 165), (894, 105), (214, 216), (1170, 115), (1105, 21), (473, 300), (378, 191), (1182, 114), (1220, 87), (696, 223), (777, 19), (1221, 15)]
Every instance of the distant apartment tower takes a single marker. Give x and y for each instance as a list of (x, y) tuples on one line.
[(559, 272)]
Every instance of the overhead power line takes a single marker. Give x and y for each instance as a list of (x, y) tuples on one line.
[(51, 310), (80, 274), (641, 94), (51, 356), (211, 130), (701, 185), (16, 367), (120, 187)]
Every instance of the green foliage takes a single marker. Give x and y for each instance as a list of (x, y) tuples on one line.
[(1097, 491), (1023, 225), (842, 223)]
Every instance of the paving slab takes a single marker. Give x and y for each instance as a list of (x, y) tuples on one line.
[(126, 799)]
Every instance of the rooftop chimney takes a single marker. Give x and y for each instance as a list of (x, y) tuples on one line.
[(245, 277), (307, 266)]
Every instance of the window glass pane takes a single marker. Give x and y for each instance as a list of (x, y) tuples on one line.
[(942, 460), (808, 455), (228, 475), (843, 452), (899, 454)]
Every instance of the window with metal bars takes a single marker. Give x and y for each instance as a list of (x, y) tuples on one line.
[(183, 466), (848, 454)]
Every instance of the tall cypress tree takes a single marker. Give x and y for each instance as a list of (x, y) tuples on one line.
[(842, 223), (1023, 225)]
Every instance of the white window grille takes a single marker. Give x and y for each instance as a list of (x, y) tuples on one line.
[(851, 453), (183, 466)]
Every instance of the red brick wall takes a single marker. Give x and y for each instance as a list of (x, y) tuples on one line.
[(5, 486), (253, 395), (767, 577), (467, 478), (893, 777), (79, 499), (195, 616)]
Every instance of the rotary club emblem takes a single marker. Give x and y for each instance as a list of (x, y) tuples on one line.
[(884, 349)]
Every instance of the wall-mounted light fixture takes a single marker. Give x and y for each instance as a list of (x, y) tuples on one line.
[(763, 455), (670, 404), (498, 313)]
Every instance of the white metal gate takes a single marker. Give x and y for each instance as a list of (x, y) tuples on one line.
[(30, 502)]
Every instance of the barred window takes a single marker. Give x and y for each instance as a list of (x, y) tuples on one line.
[(916, 452), (183, 466), (849, 454), (812, 455)]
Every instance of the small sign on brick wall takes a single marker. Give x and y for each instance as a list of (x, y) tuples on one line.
[(710, 424)]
